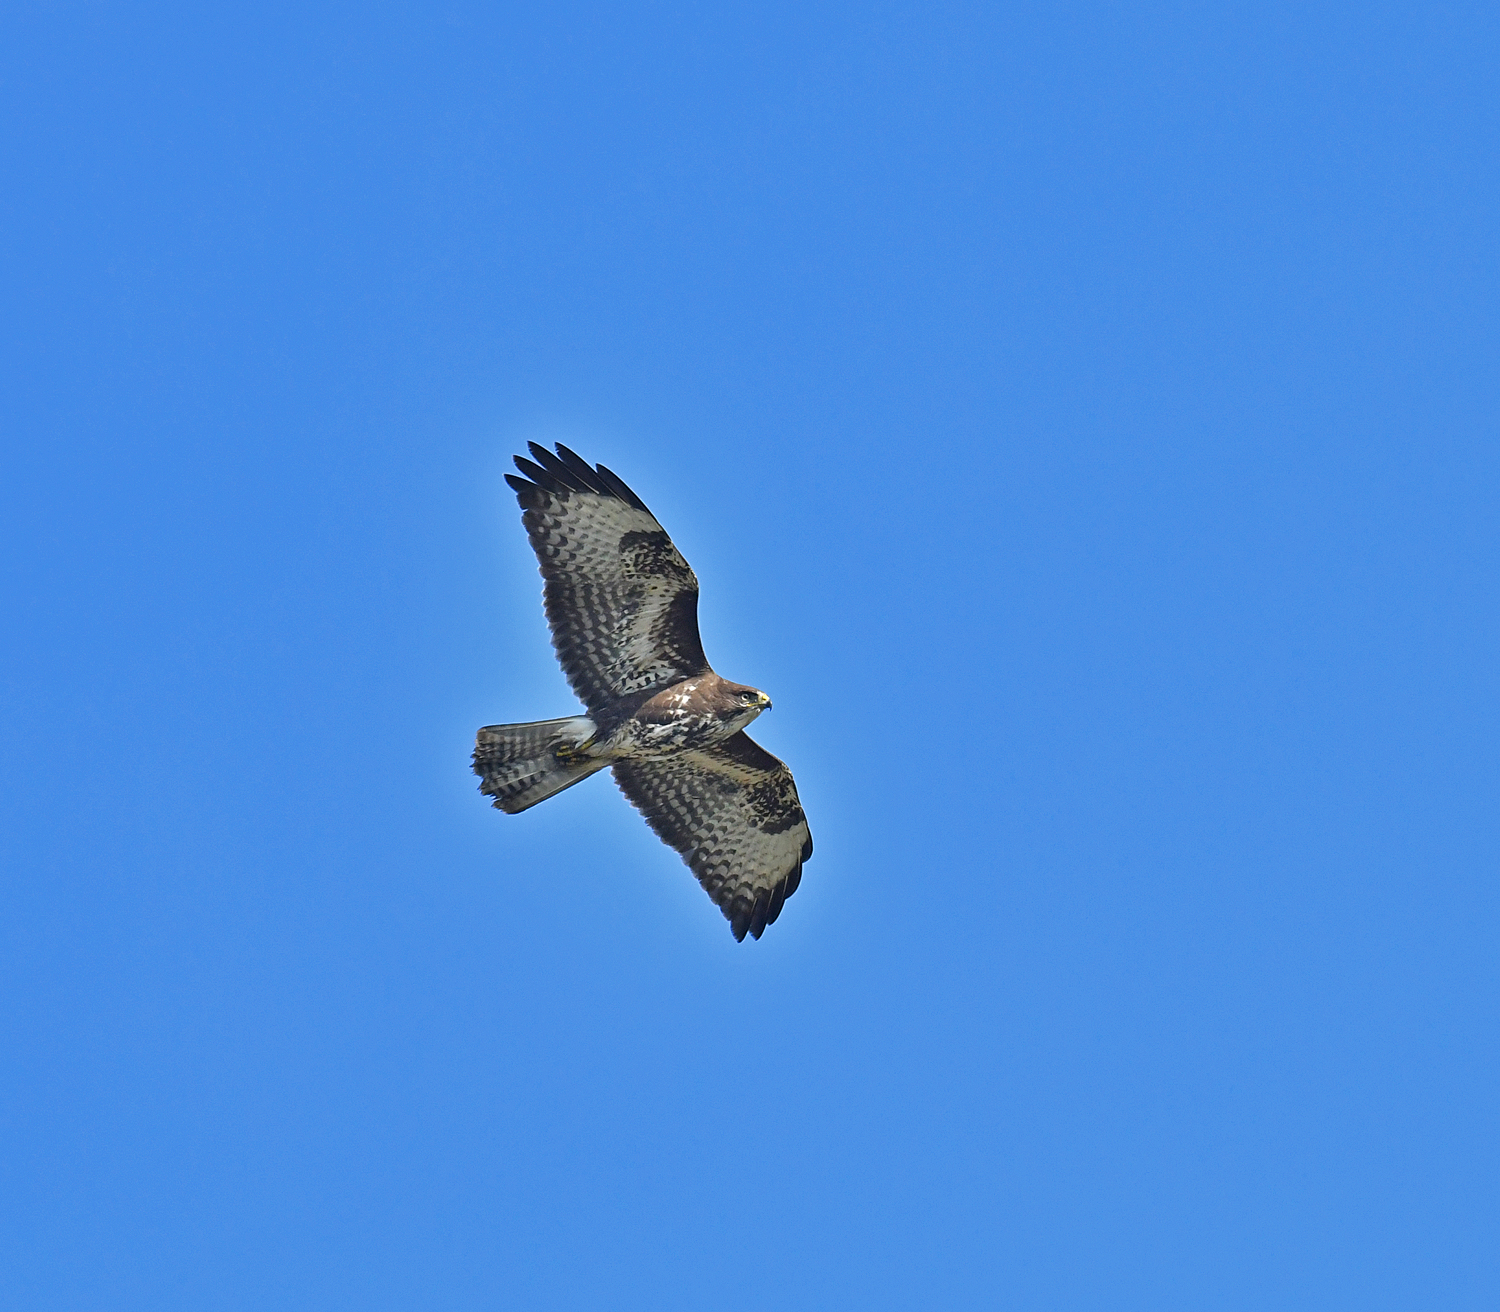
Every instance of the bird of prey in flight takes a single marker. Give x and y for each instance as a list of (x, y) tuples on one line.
[(622, 604)]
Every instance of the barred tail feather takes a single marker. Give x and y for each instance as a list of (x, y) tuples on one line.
[(523, 764)]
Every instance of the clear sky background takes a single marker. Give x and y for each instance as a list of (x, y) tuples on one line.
[(1082, 419)]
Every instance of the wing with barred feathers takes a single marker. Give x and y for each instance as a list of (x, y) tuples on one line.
[(621, 601), (733, 814)]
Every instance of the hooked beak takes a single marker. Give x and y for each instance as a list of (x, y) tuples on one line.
[(764, 702)]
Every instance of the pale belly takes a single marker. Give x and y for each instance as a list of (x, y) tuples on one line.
[(637, 739)]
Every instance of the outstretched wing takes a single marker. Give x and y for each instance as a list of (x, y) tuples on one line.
[(621, 601), (732, 813)]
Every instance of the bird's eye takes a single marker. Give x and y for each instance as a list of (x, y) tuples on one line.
[(747, 696)]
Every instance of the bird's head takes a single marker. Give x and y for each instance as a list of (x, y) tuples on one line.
[(744, 704)]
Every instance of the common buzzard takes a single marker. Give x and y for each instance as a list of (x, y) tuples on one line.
[(623, 608)]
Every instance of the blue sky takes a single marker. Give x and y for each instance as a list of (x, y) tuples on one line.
[(1082, 419)]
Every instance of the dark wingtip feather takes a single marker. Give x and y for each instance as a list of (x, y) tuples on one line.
[(758, 915), (559, 470), (740, 912), (618, 486), (583, 470), (567, 471), (529, 495), (778, 897), (541, 477)]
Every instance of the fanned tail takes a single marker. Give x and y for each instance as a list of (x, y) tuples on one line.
[(523, 764)]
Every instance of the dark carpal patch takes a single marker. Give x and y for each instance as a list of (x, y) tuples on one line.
[(646, 554), (775, 805)]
